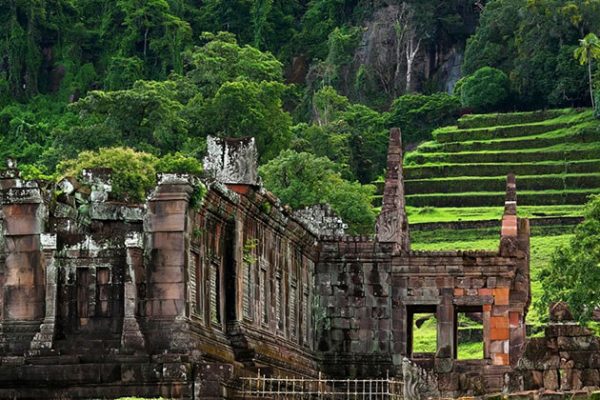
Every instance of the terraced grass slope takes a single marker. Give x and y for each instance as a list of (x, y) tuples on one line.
[(462, 172), (461, 175)]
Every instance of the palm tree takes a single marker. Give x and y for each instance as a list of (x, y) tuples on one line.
[(588, 50)]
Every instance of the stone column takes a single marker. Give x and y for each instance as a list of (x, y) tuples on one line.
[(238, 259), (446, 332), (131, 338), (514, 242), (166, 227), (392, 223), (23, 290), (45, 337)]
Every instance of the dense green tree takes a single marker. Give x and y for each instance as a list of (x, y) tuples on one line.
[(302, 179), (221, 60), (245, 108), (27, 130), (153, 34), (30, 32), (320, 19), (493, 44), (488, 89), (228, 15), (146, 117), (352, 135), (417, 114), (528, 41), (573, 276)]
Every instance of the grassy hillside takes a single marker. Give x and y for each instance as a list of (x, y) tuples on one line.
[(461, 173), (460, 176)]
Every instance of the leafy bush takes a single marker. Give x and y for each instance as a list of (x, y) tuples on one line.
[(133, 173), (179, 163), (302, 179), (597, 110), (487, 89), (573, 275), (418, 114)]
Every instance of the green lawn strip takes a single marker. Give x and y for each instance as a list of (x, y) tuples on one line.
[(425, 336), (470, 351), (554, 153), (440, 170), (461, 135), (498, 183), (584, 132), (542, 249), (482, 120), (418, 215), (455, 134), (481, 199)]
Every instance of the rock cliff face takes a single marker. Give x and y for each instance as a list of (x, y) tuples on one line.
[(394, 50)]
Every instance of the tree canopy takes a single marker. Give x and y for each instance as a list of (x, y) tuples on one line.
[(573, 276)]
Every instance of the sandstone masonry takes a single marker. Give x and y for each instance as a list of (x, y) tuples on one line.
[(211, 281)]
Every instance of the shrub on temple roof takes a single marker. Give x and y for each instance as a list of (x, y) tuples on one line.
[(179, 163), (133, 172)]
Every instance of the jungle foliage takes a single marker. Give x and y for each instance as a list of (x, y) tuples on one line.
[(573, 275), (156, 77)]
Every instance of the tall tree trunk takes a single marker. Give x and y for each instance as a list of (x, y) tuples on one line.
[(145, 41), (590, 83), (411, 52)]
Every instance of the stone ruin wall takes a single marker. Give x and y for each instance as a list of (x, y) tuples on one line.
[(368, 291), (180, 296), (367, 297), (565, 359), (170, 298)]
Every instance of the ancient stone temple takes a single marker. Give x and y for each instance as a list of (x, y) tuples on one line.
[(210, 281)]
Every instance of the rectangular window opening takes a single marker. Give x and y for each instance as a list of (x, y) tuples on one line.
[(422, 331), (468, 333)]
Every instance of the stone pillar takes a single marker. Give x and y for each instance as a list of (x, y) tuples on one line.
[(44, 339), (232, 161), (514, 242), (166, 226), (131, 338), (238, 259), (392, 224), (508, 238), (23, 290), (445, 332)]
